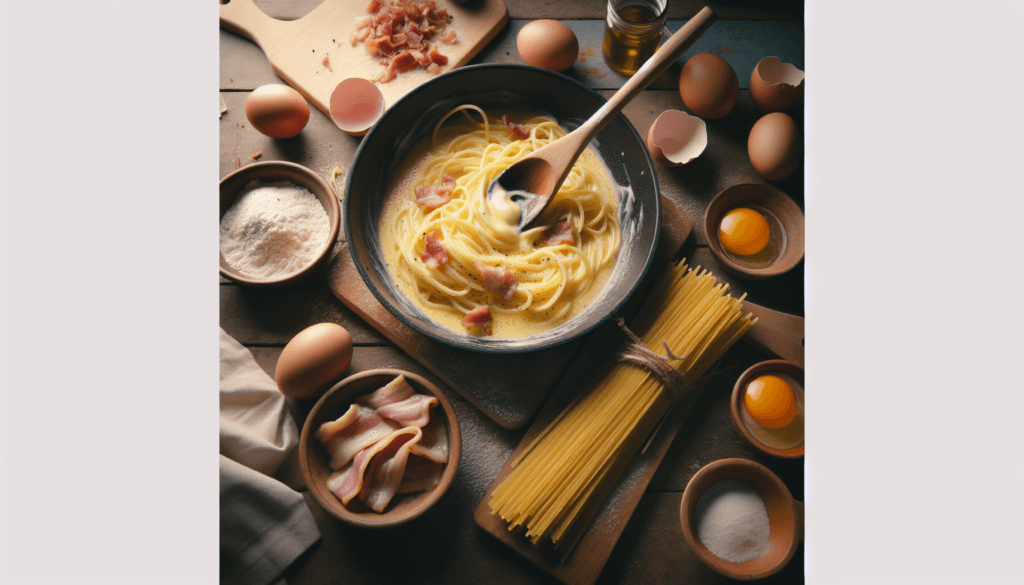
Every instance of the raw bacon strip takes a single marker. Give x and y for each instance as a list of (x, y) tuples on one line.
[(387, 466), (420, 475), (411, 412), (348, 481), (515, 128), (479, 318), (436, 254), (357, 429), (498, 279), (555, 234), (395, 391), (434, 444)]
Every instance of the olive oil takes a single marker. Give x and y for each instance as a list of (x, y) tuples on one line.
[(632, 33)]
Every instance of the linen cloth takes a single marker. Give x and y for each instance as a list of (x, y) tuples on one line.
[(264, 524)]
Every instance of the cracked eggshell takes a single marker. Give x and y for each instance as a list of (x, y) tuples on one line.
[(776, 86), (356, 105), (676, 138)]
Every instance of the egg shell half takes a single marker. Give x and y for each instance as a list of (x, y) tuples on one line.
[(775, 146), (313, 360), (676, 138), (548, 44), (277, 111), (776, 86), (356, 105), (709, 86)]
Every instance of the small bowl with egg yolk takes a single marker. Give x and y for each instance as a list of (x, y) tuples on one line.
[(755, 231)]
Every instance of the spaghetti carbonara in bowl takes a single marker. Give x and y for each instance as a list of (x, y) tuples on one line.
[(453, 264)]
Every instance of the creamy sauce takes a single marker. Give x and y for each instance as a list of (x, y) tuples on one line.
[(503, 216)]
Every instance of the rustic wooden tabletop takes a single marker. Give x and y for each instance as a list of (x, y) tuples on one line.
[(445, 545)]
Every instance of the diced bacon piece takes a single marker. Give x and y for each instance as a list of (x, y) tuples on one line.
[(386, 469), (357, 429), (434, 444), (373, 46), (413, 39), (422, 58), (443, 14), (428, 196), (363, 22), (373, 6), (420, 475), (479, 318), (434, 196), (497, 279), (393, 392), (404, 61), (433, 69), (555, 234), (436, 57), (515, 128), (436, 254), (399, 39), (449, 37)]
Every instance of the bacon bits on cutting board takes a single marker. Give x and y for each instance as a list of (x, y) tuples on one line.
[(405, 35)]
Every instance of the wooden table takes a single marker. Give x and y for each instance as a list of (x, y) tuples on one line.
[(445, 546)]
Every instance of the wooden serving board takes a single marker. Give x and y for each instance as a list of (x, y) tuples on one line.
[(590, 553), (297, 49), (508, 388)]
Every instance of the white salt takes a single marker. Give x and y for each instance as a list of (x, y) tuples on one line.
[(732, 521), (273, 230)]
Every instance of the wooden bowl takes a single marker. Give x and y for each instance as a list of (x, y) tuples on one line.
[(785, 517), (313, 456), (779, 443), (784, 216), (232, 186)]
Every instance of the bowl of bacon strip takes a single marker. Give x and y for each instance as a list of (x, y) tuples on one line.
[(380, 448)]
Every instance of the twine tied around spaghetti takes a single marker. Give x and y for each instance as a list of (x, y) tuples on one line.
[(638, 354)]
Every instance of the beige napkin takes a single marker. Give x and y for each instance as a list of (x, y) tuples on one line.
[(264, 524)]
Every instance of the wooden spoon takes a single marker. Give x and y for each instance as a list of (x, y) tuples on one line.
[(533, 180)]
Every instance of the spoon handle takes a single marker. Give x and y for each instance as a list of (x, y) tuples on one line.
[(675, 46)]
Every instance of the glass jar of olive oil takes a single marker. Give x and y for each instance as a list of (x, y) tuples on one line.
[(632, 33)]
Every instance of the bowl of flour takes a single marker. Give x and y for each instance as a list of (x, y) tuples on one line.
[(278, 223)]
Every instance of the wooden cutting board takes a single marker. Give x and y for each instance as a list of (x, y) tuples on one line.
[(314, 53)]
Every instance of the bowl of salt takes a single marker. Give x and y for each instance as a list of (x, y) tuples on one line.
[(740, 519), (278, 223)]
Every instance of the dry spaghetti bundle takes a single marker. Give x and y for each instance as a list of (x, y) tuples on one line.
[(558, 483)]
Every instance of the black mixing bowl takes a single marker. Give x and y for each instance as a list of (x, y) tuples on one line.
[(498, 88)]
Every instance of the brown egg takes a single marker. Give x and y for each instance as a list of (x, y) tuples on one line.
[(708, 86), (313, 360), (775, 146), (277, 110), (775, 86), (548, 44)]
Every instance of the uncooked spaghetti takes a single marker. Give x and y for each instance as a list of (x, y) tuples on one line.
[(560, 480)]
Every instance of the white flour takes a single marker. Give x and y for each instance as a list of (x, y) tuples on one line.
[(273, 229)]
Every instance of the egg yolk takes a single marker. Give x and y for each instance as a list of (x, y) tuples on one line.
[(770, 401), (743, 231)]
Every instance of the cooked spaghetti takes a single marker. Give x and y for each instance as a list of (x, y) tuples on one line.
[(560, 480), (453, 251)]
